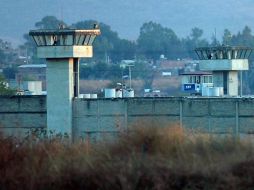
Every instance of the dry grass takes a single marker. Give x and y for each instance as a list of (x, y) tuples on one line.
[(93, 86), (164, 84), (168, 82), (147, 157)]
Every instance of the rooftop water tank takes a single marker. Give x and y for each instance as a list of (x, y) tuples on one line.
[(93, 96), (215, 91), (110, 92), (128, 93), (87, 96)]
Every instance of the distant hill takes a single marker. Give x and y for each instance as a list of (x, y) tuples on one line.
[(127, 16)]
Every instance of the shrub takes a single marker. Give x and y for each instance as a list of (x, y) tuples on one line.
[(146, 157)]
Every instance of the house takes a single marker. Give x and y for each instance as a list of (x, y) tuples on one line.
[(32, 72)]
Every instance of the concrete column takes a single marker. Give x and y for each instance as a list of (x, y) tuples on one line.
[(76, 77), (218, 79), (228, 80), (60, 84), (232, 83)]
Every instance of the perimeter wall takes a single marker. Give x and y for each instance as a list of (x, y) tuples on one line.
[(212, 115), (95, 117)]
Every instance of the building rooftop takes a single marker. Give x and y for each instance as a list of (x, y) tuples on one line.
[(196, 73)]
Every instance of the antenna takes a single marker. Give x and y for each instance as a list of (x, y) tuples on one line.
[(60, 13), (215, 36)]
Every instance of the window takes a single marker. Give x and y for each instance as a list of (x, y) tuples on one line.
[(205, 79), (210, 79)]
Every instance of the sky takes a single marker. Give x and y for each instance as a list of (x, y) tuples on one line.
[(126, 17)]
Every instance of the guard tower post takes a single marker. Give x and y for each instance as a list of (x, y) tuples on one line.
[(62, 48), (224, 62)]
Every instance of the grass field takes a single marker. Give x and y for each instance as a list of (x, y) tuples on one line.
[(147, 157)]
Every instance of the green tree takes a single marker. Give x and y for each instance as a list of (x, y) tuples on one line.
[(227, 37), (196, 34), (247, 37), (4, 89), (123, 49), (155, 40), (244, 38), (10, 72), (104, 43), (49, 22), (2, 56), (193, 41), (86, 71), (101, 70), (108, 43)]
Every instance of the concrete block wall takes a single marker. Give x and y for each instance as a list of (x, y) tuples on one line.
[(212, 115), (94, 117), (20, 114), (246, 115), (106, 117)]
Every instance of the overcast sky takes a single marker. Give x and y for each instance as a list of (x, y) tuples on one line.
[(126, 16)]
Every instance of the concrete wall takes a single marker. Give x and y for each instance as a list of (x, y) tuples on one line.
[(224, 64), (59, 102), (20, 114), (104, 117), (213, 115)]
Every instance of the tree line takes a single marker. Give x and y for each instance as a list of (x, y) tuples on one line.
[(154, 40)]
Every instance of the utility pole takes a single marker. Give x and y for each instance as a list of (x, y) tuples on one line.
[(130, 65)]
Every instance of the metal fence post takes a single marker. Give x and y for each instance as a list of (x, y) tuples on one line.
[(126, 114), (236, 119), (181, 113)]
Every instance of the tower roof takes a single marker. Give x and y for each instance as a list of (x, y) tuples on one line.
[(64, 32), (64, 37), (223, 52)]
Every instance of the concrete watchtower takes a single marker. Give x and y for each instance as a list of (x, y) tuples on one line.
[(224, 62), (62, 49)]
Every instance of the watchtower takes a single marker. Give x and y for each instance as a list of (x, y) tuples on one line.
[(62, 48), (224, 62)]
